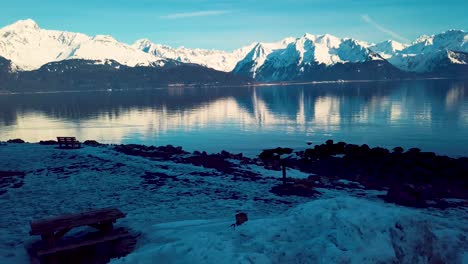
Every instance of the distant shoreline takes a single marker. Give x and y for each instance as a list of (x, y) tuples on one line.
[(411, 177), (258, 84)]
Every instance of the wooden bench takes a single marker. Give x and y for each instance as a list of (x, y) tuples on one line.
[(53, 229), (68, 142)]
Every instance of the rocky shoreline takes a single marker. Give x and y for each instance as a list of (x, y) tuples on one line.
[(410, 178)]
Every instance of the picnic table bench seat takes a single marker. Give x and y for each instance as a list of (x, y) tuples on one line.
[(85, 241), (68, 142), (53, 229)]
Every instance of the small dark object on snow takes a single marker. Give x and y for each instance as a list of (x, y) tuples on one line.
[(11, 173), (16, 140), (240, 219)]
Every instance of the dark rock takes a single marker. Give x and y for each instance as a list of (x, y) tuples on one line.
[(413, 151), (407, 195), (398, 150), (225, 154), (365, 148), (241, 218), (16, 140), (211, 161), (92, 143), (297, 189), (48, 142), (351, 149), (11, 173)]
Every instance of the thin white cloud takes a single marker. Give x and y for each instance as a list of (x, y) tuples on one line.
[(383, 29), (195, 14)]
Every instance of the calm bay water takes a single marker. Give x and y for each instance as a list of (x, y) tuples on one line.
[(430, 114)]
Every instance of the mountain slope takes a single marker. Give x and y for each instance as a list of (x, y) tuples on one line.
[(79, 74), (427, 53), (216, 59), (30, 47), (315, 57), (388, 48)]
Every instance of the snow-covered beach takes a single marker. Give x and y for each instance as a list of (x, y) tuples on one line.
[(184, 212)]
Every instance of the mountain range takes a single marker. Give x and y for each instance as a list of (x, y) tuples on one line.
[(30, 53)]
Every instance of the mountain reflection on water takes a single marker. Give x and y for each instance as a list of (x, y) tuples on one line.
[(431, 114)]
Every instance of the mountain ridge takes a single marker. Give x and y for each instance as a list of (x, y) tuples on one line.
[(309, 57)]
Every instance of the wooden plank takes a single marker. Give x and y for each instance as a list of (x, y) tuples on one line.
[(47, 226), (117, 234)]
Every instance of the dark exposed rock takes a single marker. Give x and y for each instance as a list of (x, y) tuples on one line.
[(161, 152), (211, 161), (48, 142), (298, 189), (407, 195), (398, 150), (11, 173), (156, 179), (16, 140), (92, 143), (241, 218), (378, 168)]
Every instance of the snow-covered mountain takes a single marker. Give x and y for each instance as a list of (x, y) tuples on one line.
[(292, 59), (427, 52), (30, 47), (388, 48), (216, 59), (316, 55)]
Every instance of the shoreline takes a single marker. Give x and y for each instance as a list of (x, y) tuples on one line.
[(177, 199), (410, 177), (256, 84)]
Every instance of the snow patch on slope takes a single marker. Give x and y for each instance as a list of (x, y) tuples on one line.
[(337, 230)]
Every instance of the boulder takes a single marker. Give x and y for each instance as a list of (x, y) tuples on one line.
[(406, 195), (241, 218), (16, 140)]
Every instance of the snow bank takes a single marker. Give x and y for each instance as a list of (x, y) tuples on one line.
[(336, 230)]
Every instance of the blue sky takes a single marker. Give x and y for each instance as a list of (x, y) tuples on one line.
[(229, 24)]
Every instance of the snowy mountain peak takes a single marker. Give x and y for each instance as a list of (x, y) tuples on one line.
[(104, 38), (387, 48), (30, 47), (23, 24)]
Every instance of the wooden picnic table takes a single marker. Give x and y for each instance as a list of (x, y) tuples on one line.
[(53, 229), (69, 142)]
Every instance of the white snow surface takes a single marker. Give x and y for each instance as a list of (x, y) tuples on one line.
[(187, 221)]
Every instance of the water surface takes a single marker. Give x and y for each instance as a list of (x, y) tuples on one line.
[(431, 115)]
